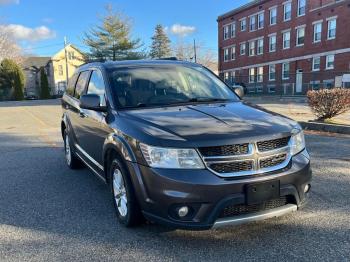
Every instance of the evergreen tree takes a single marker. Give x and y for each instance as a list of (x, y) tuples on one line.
[(44, 85), (160, 47), (12, 78), (111, 39)]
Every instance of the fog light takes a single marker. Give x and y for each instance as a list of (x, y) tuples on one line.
[(307, 188), (183, 211)]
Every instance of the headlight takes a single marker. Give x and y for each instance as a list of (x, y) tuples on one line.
[(297, 141), (160, 157)]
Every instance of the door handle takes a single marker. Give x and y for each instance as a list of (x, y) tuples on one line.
[(82, 114)]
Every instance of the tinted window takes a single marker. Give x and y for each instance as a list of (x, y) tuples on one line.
[(97, 86), (71, 85), (165, 85), (81, 84)]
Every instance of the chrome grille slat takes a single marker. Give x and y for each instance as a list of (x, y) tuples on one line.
[(251, 161)]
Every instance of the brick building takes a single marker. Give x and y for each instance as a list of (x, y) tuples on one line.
[(286, 47)]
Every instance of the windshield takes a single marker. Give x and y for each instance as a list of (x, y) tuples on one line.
[(148, 86)]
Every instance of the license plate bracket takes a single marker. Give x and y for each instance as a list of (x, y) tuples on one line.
[(259, 192)]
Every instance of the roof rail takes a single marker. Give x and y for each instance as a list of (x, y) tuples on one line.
[(168, 58)]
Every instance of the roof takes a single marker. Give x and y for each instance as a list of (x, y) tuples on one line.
[(240, 9), (112, 64), (36, 61)]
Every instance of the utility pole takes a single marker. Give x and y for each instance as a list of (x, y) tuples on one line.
[(195, 50), (66, 58)]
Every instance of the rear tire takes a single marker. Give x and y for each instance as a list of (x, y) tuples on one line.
[(72, 160), (124, 200)]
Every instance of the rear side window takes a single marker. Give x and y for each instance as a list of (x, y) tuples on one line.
[(97, 86), (81, 84), (71, 85)]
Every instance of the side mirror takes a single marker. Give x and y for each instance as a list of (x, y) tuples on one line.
[(239, 90), (91, 102)]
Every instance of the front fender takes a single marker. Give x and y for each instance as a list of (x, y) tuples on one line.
[(118, 143)]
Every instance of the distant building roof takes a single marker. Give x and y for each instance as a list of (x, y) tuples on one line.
[(241, 8), (35, 61)]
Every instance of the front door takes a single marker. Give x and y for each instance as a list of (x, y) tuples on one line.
[(92, 134), (299, 81)]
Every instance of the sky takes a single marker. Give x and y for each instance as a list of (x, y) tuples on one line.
[(40, 26)]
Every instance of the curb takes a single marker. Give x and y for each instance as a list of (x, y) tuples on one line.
[(332, 128)]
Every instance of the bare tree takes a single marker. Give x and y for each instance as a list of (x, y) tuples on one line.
[(206, 57), (8, 47)]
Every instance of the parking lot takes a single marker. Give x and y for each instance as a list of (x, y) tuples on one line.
[(48, 212)]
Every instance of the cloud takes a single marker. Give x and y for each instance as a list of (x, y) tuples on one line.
[(7, 2), (182, 30), (23, 33)]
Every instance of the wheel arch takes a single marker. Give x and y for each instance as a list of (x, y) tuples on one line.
[(116, 146)]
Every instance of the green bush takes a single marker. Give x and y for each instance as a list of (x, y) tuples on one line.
[(44, 85), (12, 79), (328, 103)]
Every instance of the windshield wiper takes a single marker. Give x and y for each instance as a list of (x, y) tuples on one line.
[(207, 99)]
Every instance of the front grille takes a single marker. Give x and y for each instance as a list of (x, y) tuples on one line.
[(272, 144), (241, 209), (273, 160), (237, 166), (229, 150)]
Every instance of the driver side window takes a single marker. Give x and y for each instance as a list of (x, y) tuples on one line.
[(97, 86)]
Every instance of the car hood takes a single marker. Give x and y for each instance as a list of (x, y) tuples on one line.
[(205, 124)]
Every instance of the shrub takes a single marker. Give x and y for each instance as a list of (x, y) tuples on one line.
[(328, 103), (12, 78), (44, 85)]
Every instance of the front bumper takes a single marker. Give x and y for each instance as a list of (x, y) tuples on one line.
[(161, 191)]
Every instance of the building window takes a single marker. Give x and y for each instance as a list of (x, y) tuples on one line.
[(285, 71), (316, 62), (300, 36), (287, 11), (243, 24), (301, 7), (332, 28), (226, 32), (272, 72), (271, 88), (226, 77), (242, 47), (260, 76), (273, 16), (330, 62), (272, 43), (261, 20), (286, 40), (233, 77), (252, 23), (329, 83), (226, 54), (317, 32), (71, 56), (252, 75), (233, 52), (252, 48), (60, 70), (233, 30), (315, 85), (260, 50)]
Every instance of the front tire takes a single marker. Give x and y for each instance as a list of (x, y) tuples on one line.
[(72, 160), (126, 206)]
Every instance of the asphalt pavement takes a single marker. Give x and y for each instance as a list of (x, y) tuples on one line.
[(51, 213)]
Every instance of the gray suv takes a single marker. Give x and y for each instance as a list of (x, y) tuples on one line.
[(177, 146)]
